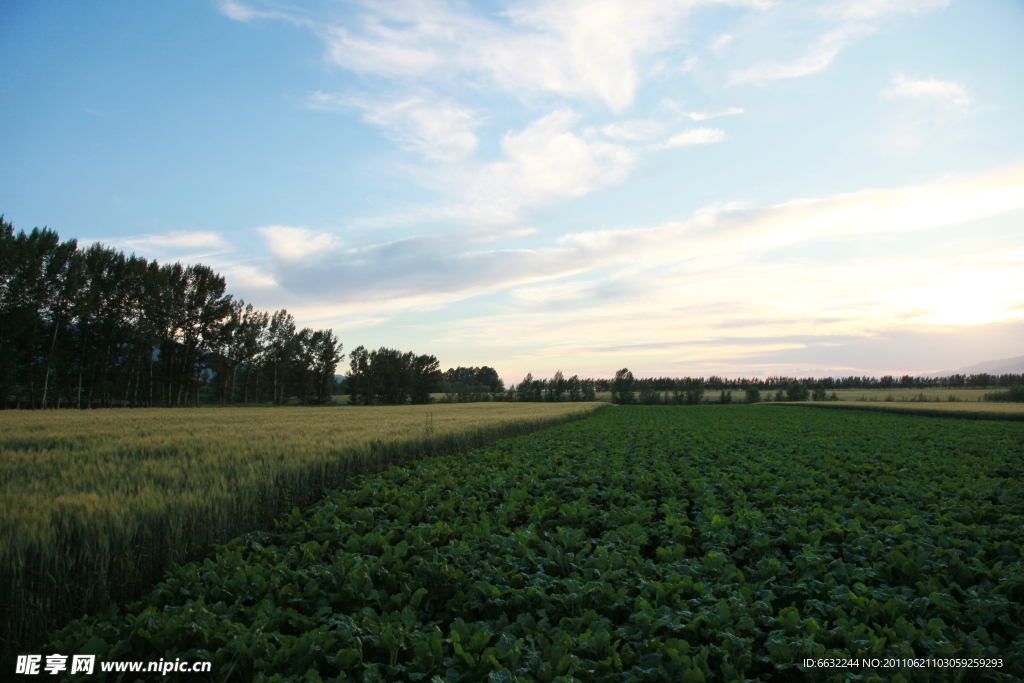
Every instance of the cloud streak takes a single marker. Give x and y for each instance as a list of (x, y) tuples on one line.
[(846, 23), (438, 130), (927, 89), (178, 244)]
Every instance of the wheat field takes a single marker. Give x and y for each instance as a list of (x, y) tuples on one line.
[(94, 505)]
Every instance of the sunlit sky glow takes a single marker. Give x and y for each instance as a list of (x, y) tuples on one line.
[(739, 187)]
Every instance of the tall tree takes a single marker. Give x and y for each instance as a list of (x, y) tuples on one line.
[(622, 387)]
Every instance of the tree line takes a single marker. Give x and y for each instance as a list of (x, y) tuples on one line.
[(557, 389), (390, 377), (627, 389), (91, 328), (472, 384), (956, 381)]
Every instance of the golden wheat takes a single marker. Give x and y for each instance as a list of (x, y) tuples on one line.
[(94, 505)]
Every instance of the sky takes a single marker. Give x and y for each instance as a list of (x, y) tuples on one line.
[(689, 187)]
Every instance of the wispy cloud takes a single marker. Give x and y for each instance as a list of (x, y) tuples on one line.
[(721, 42), (694, 136), (291, 244), (844, 24), (704, 116), (441, 131), (919, 110), (240, 11), (177, 241), (930, 89), (865, 10), (563, 46), (633, 130), (818, 56), (249, 278)]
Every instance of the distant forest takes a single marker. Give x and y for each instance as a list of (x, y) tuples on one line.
[(93, 328)]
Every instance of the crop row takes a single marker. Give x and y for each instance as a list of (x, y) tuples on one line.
[(674, 543)]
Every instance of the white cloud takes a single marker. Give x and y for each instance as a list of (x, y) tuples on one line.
[(704, 116), (243, 12), (846, 23), (634, 130), (694, 136), (236, 10), (931, 88), (568, 47), (922, 112), (543, 162), (861, 10), (441, 131), (249, 277), (817, 57), (177, 241), (721, 42), (292, 244)]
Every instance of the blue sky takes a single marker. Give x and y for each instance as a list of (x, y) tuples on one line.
[(739, 187)]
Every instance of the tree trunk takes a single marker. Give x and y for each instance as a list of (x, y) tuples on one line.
[(49, 359)]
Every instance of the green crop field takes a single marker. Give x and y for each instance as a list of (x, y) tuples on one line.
[(983, 411), (704, 543), (95, 505)]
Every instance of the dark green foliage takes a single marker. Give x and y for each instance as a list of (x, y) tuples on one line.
[(470, 385), (556, 389), (693, 390), (93, 328), (725, 397), (648, 396), (390, 377), (668, 544), (1015, 394), (530, 389), (426, 376), (796, 392), (752, 395), (622, 387), (574, 387), (818, 392)]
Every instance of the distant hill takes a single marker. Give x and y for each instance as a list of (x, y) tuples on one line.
[(996, 367)]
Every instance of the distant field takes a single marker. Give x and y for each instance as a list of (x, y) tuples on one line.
[(984, 407), (94, 504), (992, 411), (869, 395), (933, 395)]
